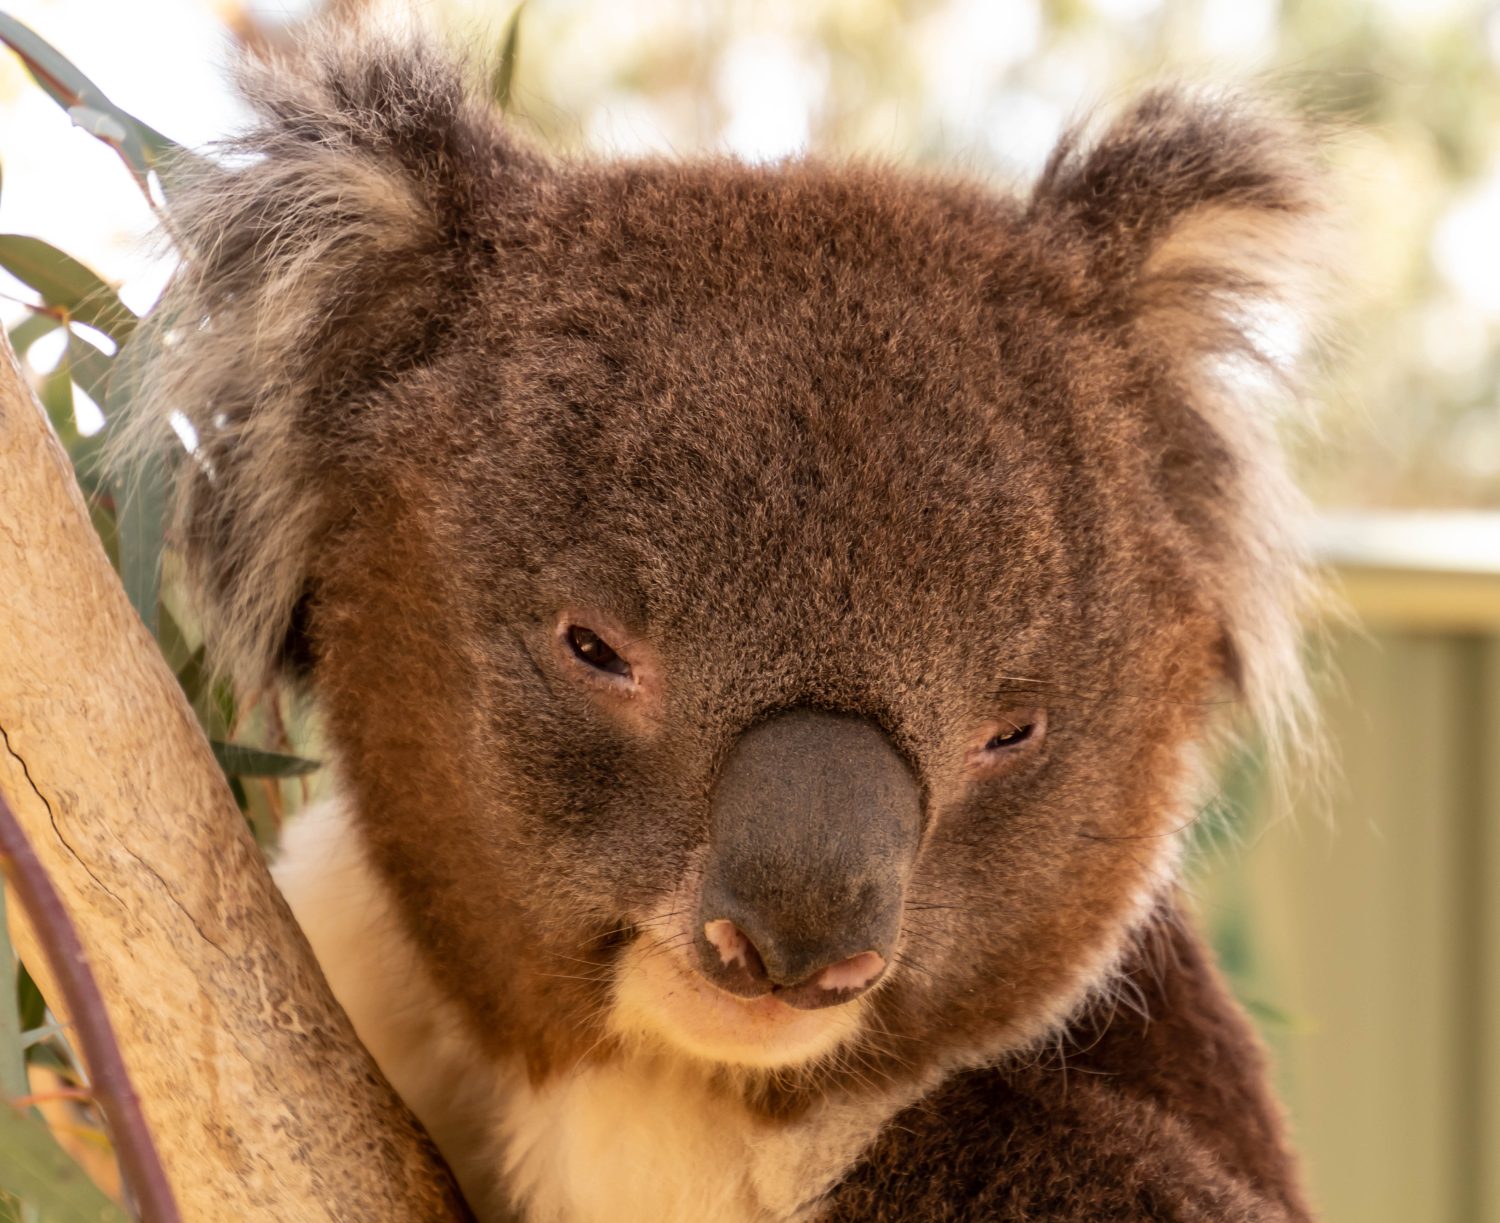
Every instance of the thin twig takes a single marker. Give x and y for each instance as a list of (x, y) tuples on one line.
[(110, 1082), (60, 313)]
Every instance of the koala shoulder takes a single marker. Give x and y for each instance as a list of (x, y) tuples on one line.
[(1116, 1119), (379, 978)]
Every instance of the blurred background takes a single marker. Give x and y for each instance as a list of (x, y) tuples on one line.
[(1362, 928)]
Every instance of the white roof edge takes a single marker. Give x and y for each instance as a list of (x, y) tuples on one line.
[(1440, 541)]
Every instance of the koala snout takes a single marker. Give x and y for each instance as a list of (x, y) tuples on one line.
[(815, 822)]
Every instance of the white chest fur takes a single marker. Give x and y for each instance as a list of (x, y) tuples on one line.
[(644, 1139)]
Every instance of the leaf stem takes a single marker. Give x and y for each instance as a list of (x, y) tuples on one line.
[(140, 1164)]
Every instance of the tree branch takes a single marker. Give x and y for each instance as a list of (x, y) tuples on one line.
[(263, 1104)]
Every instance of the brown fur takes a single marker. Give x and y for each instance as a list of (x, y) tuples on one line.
[(822, 435)]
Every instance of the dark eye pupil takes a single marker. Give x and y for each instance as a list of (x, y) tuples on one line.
[(594, 650), (1009, 738)]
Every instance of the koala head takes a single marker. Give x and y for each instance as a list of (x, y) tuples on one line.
[(772, 613)]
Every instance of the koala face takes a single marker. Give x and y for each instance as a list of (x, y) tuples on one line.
[(766, 556), (768, 613)]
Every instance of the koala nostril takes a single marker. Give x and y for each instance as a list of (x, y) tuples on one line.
[(731, 960), (855, 973), (735, 950), (840, 982)]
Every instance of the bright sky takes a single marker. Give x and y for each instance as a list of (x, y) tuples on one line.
[(163, 62)]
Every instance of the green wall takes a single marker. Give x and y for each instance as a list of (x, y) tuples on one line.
[(1371, 914)]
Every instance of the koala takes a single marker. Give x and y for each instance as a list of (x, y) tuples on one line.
[(772, 624)]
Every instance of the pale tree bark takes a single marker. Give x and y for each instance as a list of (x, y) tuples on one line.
[(262, 1102)]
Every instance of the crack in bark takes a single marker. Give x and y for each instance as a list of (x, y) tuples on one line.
[(172, 896), (146, 866), (52, 816)]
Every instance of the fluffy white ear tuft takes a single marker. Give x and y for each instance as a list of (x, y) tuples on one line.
[(1203, 233), (325, 251)]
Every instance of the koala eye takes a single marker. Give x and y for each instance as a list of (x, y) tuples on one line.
[(1010, 738), (616, 665), (590, 648)]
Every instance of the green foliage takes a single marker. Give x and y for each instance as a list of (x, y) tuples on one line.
[(35, 1170), (130, 507), (144, 150), (141, 505), (66, 284), (240, 761), (13, 1081)]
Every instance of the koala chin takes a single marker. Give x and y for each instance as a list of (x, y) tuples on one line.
[(772, 624)]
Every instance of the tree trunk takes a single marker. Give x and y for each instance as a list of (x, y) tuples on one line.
[(262, 1102)]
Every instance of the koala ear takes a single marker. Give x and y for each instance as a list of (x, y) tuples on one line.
[(1196, 229), (1196, 216), (325, 251)]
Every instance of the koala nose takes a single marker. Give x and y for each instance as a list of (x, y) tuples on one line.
[(807, 978), (814, 825)]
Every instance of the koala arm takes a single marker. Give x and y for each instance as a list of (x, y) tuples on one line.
[(1161, 1119)]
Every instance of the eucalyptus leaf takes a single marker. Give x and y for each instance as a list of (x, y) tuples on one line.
[(35, 1036), (33, 1005), (65, 282), (45, 1054), (172, 641), (219, 707), (502, 81), (192, 674), (140, 500), (35, 1169), (98, 124), (240, 761), (141, 146), (187, 663), (90, 367), (141, 513), (56, 394), (13, 1080), (87, 454), (79, 368)]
